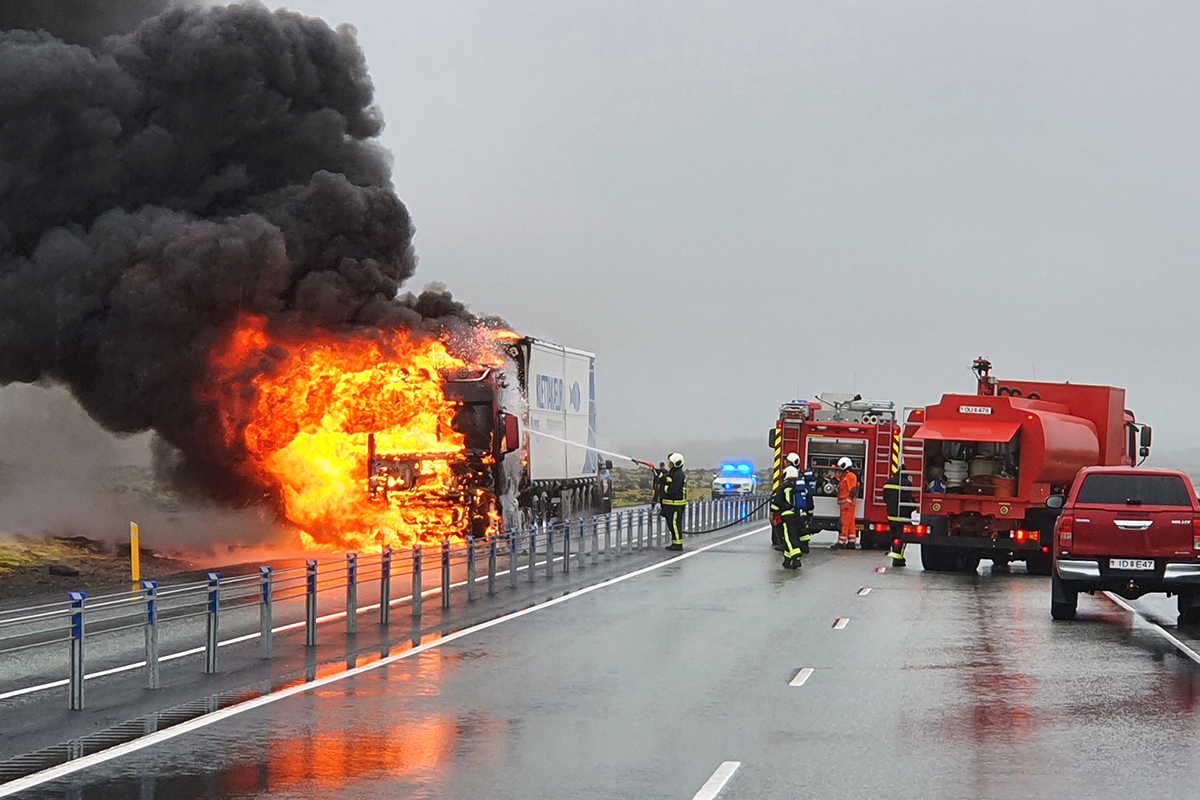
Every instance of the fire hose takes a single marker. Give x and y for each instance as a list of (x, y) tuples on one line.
[(737, 521)]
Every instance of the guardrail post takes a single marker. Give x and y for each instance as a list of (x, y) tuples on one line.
[(532, 551), (351, 592), (595, 526), (629, 532), (149, 594), (566, 546), (470, 568), (310, 604), (416, 580), (641, 525), (608, 537), (513, 535), (550, 552), (77, 632), (214, 622), (580, 558), (385, 587), (266, 605), (492, 564), (446, 573)]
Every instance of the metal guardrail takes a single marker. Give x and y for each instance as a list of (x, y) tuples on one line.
[(80, 620)]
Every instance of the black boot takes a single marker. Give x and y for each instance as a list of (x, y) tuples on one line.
[(676, 547)]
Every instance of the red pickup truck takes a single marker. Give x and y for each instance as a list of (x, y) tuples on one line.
[(1130, 532)]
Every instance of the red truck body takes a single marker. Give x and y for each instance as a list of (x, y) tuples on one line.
[(866, 432), (1000, 454)]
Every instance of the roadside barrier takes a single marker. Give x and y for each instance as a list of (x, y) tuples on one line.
[(82, 622)]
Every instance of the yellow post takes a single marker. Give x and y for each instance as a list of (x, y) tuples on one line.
[(135, 552)]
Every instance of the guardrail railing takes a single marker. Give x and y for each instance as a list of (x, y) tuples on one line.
[(81, 620)]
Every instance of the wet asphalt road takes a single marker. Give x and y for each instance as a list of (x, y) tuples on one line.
[(938, 686)]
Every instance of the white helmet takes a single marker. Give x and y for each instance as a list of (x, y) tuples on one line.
[(675, 459), (793, 459), (845, 463), (790, 473)]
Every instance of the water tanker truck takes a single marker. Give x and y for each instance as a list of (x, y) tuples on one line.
[(978, 469)]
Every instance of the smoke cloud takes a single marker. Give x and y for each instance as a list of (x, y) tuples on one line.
[(160, 177)]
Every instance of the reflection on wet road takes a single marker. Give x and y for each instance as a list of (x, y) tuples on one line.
[(940, 686)]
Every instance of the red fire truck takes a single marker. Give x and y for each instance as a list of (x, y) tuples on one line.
[(822, 431), (982, 466)]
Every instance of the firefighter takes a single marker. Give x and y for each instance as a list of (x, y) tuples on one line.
[(673, 502), (810, 486), (660, 475), (893, 493), (792, 460), (847, 497), (787, 502)]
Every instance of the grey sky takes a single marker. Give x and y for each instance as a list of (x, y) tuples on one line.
[(730, 202)]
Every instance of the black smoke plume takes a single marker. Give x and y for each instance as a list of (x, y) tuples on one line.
[(158, 177)]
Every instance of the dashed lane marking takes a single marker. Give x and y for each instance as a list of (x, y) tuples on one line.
[(801, 677), (863, 592), (1183, 648), (149, 740), (713, 786), (841, 623)]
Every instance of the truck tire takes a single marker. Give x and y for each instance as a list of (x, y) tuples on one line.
[(1189, 609), (1039, 564), (933, 558), (1063, 600), (966, 562)]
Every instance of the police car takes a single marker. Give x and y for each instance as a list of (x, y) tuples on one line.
[(734, 479)]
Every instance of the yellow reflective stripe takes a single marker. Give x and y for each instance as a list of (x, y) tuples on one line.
[(674, 502)]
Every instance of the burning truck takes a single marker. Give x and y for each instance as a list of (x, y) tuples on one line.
[(399, 437), (525, 426)]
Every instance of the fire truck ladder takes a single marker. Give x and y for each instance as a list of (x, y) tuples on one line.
[(912, 462), (883, 462)]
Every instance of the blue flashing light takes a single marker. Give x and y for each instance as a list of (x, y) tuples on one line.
[(744, 469), (728, 468)]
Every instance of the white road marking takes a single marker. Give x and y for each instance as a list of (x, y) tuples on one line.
[(802, 676), (713, 786), (841, 623), (79, 764), (1183, 648), (291, 626), (863, 592)]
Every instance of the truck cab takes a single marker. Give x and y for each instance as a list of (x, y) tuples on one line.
[(1131, 532)]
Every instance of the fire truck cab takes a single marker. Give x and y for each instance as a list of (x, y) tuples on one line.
[(834, 426)]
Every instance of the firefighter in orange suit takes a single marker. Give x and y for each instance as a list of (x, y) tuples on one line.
[(847, 500)]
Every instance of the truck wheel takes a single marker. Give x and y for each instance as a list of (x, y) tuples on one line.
[(966, 562), (1063, 600), (1040, 564), (933, 558), (1189, 610)]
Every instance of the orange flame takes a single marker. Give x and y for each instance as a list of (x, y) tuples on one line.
[(301, 412)]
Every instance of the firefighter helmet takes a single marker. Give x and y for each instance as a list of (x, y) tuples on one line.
[(790, 473), (793, 459), (675, 459), (845, 463)]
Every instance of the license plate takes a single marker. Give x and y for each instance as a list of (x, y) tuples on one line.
[(1130, 563)]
